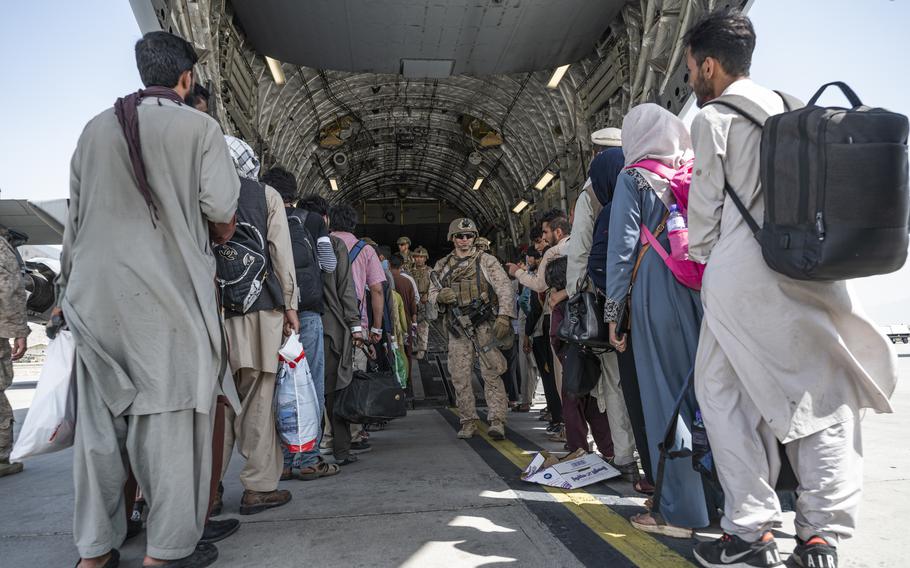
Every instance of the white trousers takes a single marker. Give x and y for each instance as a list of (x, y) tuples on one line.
[(828, 463)]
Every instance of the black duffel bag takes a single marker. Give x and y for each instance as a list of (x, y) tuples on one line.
[(835, 187), (372, 396), (583, 323)]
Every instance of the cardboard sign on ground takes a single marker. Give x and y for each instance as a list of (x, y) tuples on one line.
[(577, 469)]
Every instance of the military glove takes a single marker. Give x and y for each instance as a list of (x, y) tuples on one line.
[(502, 328), (446, 296)]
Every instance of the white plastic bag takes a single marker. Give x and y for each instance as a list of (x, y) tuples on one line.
[(50, 424), (296, 407)]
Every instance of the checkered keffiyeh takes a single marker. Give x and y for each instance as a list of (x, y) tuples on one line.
[(245, 160)]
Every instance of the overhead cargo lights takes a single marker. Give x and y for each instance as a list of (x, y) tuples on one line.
[(520, 206), (277, 71), (477, 184), (557, 76), (333, 183), (544, 180)]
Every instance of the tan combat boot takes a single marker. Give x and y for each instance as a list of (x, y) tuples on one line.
[(7, 468), (468, 429), (497, 431)]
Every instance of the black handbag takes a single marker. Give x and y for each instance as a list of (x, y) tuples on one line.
[(583, 323), (581, 372), (372, 396)]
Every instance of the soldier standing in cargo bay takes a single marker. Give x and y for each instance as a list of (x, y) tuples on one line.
[(421, 274), (475, 297)]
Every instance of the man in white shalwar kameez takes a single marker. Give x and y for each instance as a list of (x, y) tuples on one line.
[(778, 359), (137, 290)]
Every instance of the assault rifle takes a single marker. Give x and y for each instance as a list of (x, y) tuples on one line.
[(463, 321)]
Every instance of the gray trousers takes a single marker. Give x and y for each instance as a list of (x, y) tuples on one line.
[(170, 454), (529, 375), (617, 413), (828, 463)]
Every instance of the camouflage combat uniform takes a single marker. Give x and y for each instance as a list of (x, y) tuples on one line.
[(13, 324), (422, 278), (476, 277)]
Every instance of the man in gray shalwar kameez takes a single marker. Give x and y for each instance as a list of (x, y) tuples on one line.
[(137, 290), (778, 359)]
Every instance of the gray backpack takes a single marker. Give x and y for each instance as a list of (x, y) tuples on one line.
[(835, 188)]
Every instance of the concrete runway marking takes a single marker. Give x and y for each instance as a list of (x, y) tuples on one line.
[(639, 547)]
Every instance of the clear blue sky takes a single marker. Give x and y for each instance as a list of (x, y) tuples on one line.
[(66, 61)]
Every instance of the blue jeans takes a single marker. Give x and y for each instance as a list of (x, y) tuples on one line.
[(311, 338)]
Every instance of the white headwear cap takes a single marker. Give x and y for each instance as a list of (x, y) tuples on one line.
[(611, 137)]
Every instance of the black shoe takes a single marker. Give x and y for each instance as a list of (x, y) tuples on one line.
[(133, 528), (814, 553), (204, 555), (731, 551), (360, 447), (348, 460), (218, 530)]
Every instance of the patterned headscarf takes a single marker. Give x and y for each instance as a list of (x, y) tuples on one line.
[(245, 161)]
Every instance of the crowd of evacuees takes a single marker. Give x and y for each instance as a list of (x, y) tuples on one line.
[(756, 373)]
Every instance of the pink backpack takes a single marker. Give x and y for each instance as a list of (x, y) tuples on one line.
[(687, 272)]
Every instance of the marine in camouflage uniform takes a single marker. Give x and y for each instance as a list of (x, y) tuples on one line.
[(13, 326), (483, 244), (468, 279), (421, 275), (404, 249)]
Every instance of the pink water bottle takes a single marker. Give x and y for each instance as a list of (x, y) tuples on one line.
[(678, 233)]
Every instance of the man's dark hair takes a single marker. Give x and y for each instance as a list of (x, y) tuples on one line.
[(162, 57), (396, 261), (727, 36), (315, 204), (385, 251), (550, 216), (560, 223), (282, 181), (532, 252), (198, 92), (343, 218), (536, 234)]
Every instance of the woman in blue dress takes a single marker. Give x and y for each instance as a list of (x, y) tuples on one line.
[(665, 315)]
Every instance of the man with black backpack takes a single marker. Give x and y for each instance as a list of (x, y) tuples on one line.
[(255, 270), (780, 359), (313, 256)]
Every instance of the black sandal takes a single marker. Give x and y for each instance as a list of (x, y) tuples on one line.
[(112, 562)]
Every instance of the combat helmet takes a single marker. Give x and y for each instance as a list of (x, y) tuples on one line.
[(482, 243), (462, 225), (403, 241), (420, 251)]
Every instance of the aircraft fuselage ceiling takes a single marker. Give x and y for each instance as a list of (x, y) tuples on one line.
[(422, 110)]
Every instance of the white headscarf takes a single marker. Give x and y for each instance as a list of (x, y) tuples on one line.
[(245, 161), (651, 132)]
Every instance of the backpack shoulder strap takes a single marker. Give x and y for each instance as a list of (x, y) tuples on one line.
[(355, 252), (791, 103), (752, 112), (745, 107)]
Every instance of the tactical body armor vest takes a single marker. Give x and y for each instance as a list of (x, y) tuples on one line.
[(473, 294)]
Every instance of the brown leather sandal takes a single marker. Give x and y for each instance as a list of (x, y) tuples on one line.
[(321, 469)]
